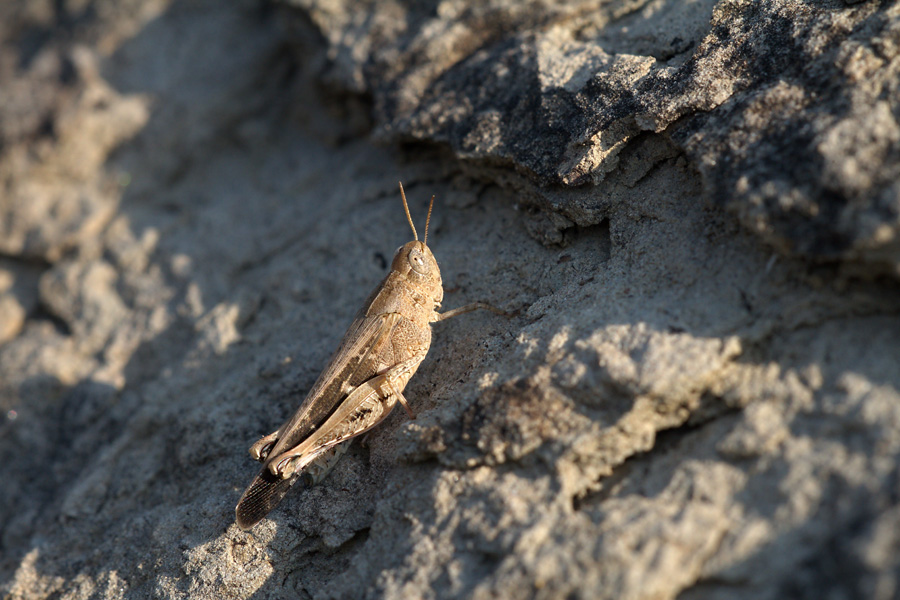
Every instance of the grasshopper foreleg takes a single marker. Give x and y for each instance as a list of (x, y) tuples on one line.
[(469, 308)]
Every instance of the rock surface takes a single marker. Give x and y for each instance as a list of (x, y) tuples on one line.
[(693, 206)]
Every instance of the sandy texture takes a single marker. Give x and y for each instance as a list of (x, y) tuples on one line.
[(693, 206)]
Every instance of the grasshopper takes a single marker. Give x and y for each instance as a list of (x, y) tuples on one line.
[(362, 382)]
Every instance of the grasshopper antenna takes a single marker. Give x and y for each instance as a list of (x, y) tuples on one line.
[(409, 218), (428, 220)]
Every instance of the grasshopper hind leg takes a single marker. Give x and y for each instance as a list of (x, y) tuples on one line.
[(260, 450), (366, 406)]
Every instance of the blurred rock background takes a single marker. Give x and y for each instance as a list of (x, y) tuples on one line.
[(694, 204)]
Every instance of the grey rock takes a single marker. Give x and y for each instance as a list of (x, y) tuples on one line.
[(690, 207), (55, 192), (788, 111), (12, 317)]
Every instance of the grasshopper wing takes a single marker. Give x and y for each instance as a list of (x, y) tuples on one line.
[(264, 494), (267, 490), (357, 359)]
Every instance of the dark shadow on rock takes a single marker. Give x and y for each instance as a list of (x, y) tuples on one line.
[(58, 430)]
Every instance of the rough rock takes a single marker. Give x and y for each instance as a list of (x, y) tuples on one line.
[(692, 209), (789, 111)]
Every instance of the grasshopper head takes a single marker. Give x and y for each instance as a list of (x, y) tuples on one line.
[(416, 263)]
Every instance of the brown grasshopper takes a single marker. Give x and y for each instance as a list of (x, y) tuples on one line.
[(363, 380)]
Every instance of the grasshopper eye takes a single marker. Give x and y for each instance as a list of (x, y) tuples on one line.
[(417, 262)]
